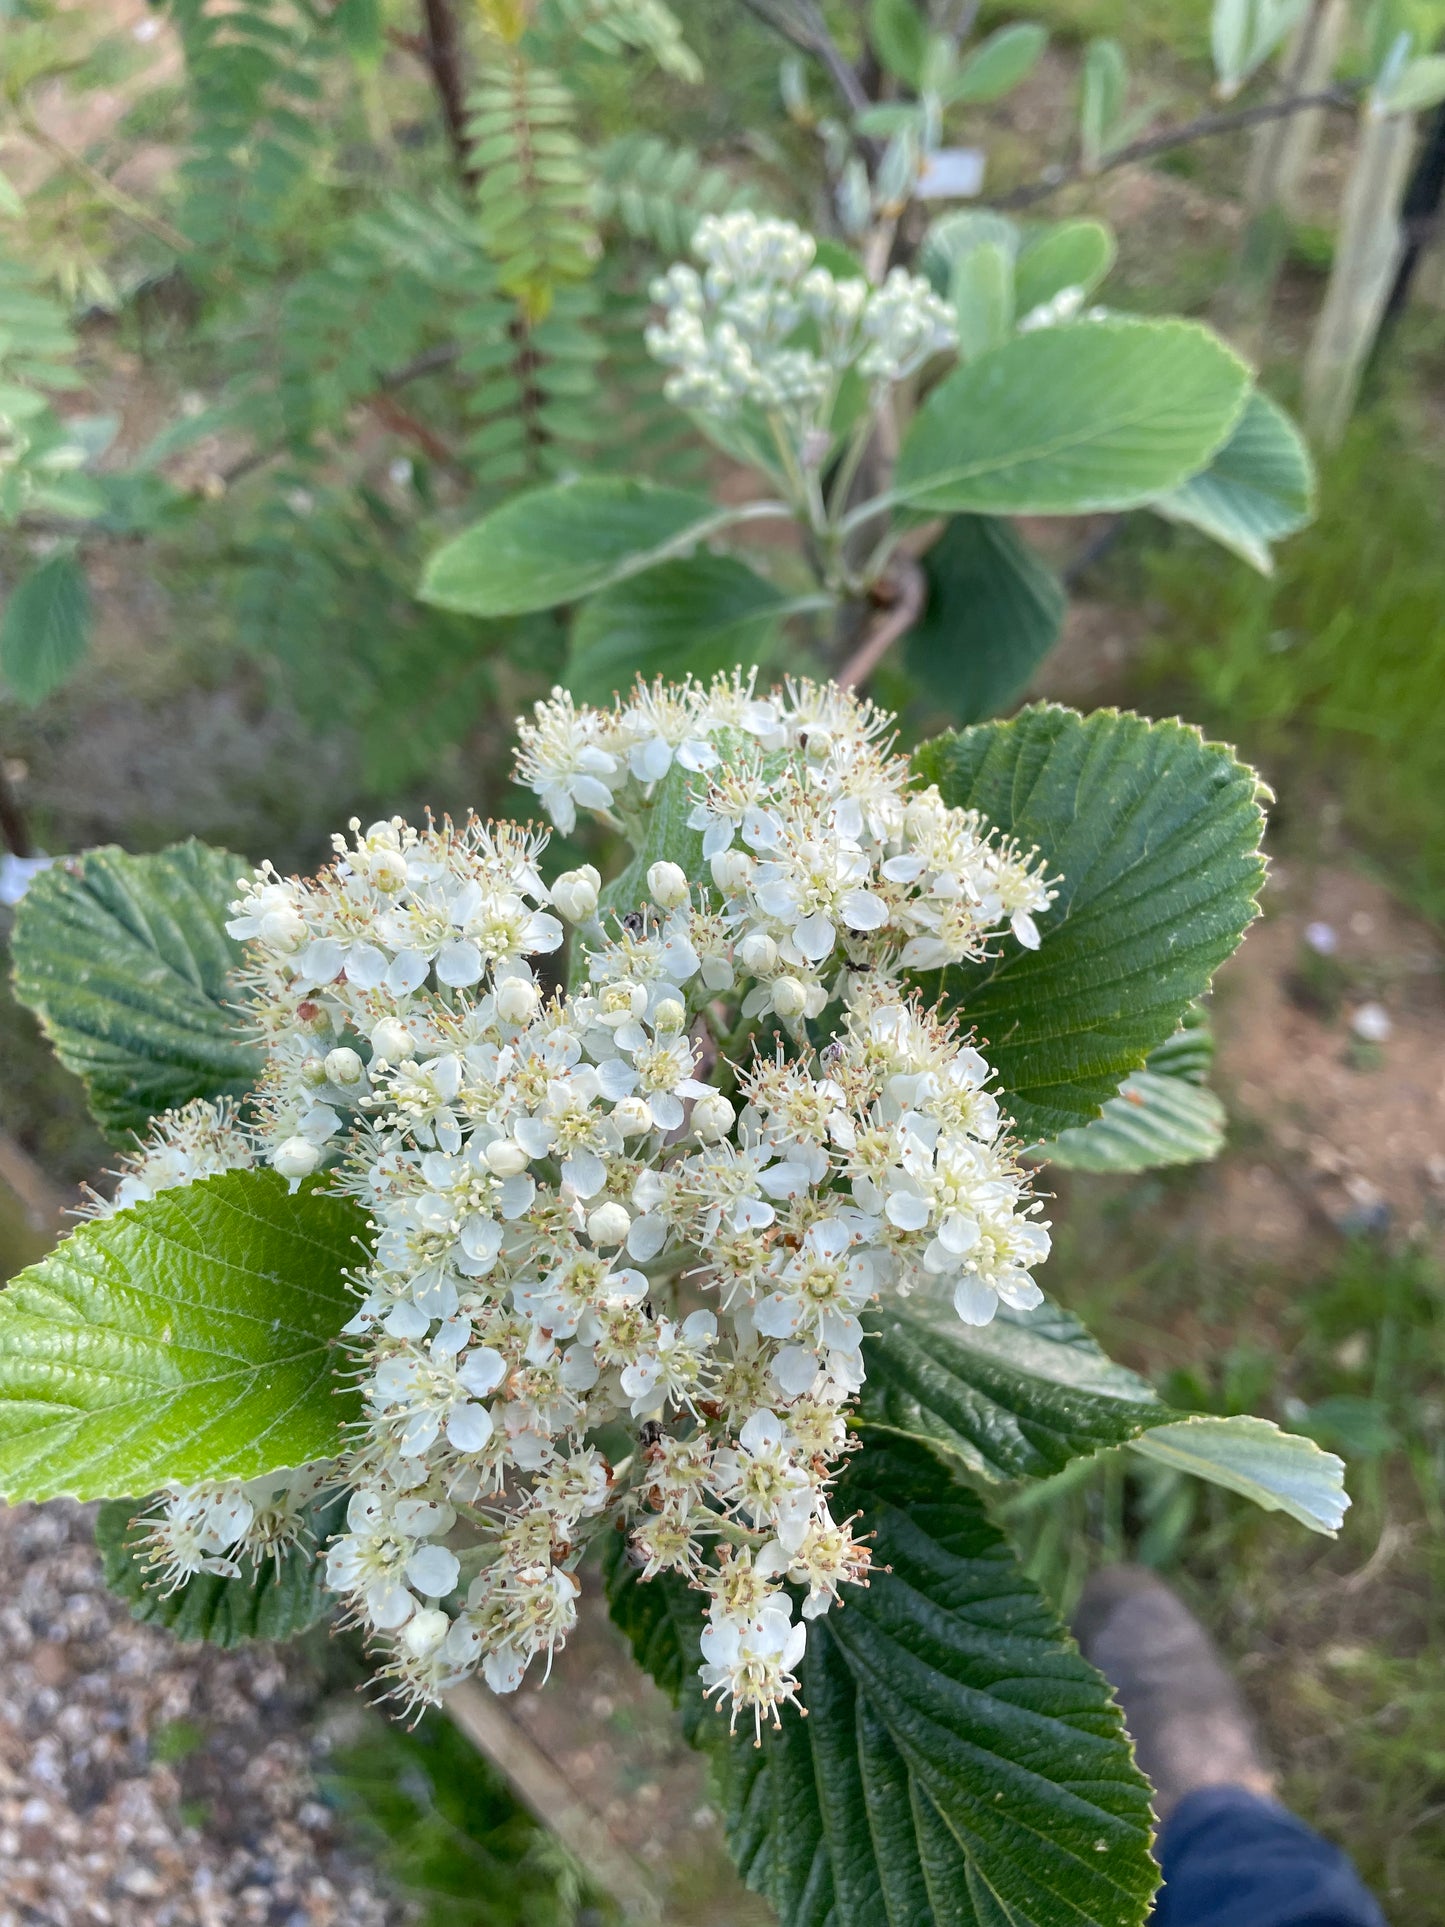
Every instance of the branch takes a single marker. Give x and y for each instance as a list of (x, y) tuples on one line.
[(442, 54), (909, 589), (808, 31), (1206, 127), (103, 187)]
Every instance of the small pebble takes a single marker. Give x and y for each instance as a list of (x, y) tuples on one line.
[(1372, 1023)]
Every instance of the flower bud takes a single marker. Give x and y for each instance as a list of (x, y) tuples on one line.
[(425, 1631), (712, 1117), (517, 1000), (732, 871), (758, 954), (297, 1158), (632, 1117), (609, 1224), (391, 1042), (344, 1067), (790, 997), (669, 1015), (575, 893), (505, 1157), (667, 885), (313, 1073)]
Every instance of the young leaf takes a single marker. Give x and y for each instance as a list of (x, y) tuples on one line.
[(960, 1762), (993, 613), (1101, 415), (1279, 1471), (1070, 254), (1018, 1399), (950, 240), (1155, 835), (45, 628), (1418, 85), (1244, 33), (554, 545), (1259, 487), (899, 34), (998, 65), (189, 1337), (124, 960), (268, 1601), (982, 294), (696, 616), (1103, 84)]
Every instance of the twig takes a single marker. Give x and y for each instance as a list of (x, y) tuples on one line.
[(1206, 127), (442, 54), (808, 31), (13, 827), (103, 187), (909, 590), (542, 1787)]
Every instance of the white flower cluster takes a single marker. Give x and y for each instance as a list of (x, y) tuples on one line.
[(212, 1527), (199, 1140), (763, 324), (575, 1229)]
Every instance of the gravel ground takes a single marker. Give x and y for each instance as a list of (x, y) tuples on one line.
[(147, 1784)]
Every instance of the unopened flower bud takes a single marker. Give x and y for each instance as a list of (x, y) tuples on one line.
[(790, 998), (505, 1157), (425, 1631), (632, 1117), (732, 871), (391, 1042), (667, 885), (297, 1158), (712, 1117), (517, 1000), (609, 1224), (758, 954), (344, 1067), (575, 893), (669, 1015)]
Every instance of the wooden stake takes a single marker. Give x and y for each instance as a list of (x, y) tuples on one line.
[(1370, 244)]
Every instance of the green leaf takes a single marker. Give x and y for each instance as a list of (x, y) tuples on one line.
[(960, 1761), (1259, 487), (1155, 834), (993, 613), (1100, 415), (554, 545), (982, 292), (695, 617), (1070, 254), (1151, 1122), (124, 960), (998, 65), (1103, 84), (1419, 85), (45, 628), (899, 34), (190, 1337), (1016, 1399), (1279, 1471), (11, 204), (266, 1602)]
